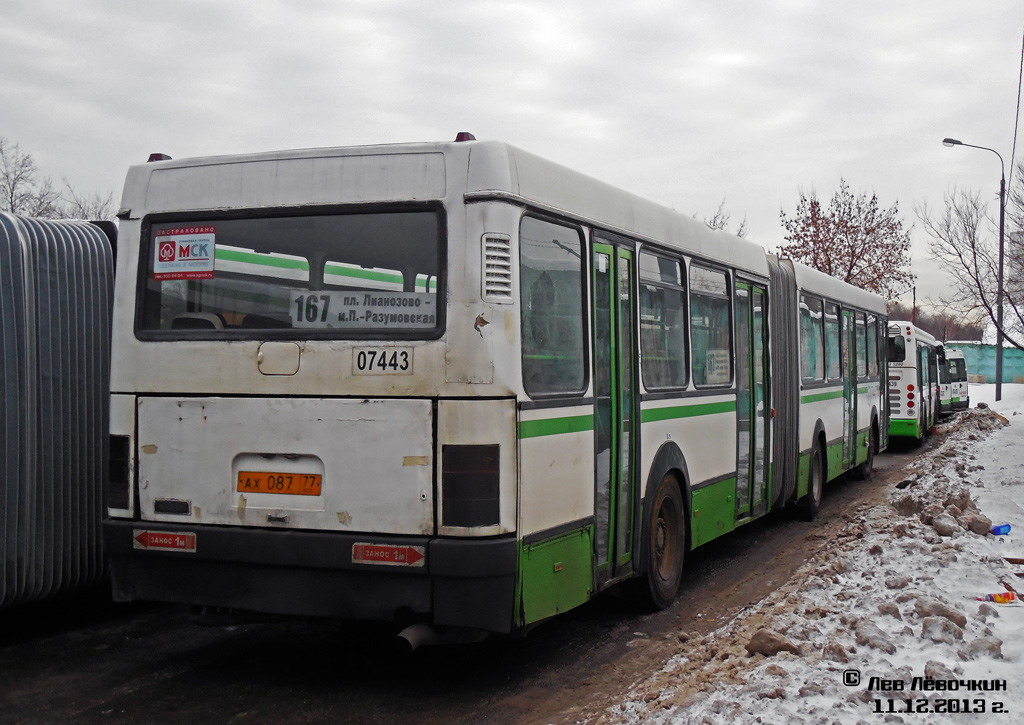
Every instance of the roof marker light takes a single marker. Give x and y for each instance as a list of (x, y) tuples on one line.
[(464, 136), (159, 157)]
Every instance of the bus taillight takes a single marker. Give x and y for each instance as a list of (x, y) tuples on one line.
[(910, 387)]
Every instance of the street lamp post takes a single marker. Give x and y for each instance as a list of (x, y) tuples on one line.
[(999, 290)]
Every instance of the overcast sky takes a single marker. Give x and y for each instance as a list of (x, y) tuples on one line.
[(686, 103)]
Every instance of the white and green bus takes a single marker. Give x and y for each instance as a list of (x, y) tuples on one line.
[(953, 388), (455, 385), (914, 360), (842, 371)]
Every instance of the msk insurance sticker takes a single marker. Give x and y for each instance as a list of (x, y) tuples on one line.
[(184, 253)]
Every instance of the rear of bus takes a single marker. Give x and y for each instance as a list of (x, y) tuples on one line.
[(307, 416), (945, 389), (956, 370), (913, 383)]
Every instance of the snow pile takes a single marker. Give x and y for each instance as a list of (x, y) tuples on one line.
[(894, 597)]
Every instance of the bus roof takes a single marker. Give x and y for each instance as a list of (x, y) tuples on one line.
[(498, 167), (452, 171), (809, 279), (917, 331)]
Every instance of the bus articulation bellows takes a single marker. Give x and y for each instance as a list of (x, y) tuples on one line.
[(457, 385)]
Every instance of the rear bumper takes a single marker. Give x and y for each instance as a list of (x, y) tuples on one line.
[(462, 582), (905, 428)]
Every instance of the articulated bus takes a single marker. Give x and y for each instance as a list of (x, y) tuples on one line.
[(953, 391), (455, 386), (914, 361)]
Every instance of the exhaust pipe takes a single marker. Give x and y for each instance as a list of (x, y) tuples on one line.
[(426, 635)]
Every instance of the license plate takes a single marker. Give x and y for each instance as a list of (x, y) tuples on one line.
[(296, 484)]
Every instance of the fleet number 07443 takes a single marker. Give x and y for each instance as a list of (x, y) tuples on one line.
[(382, 361)]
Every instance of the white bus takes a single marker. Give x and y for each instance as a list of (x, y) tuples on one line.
[(913, 381), (842, 373), (456, 385), (953, 390)]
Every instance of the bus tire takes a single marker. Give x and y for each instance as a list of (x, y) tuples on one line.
[(666, 547), (867, 469), (811, 503)]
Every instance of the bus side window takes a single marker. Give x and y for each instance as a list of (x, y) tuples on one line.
[(862, 346), (872, 346), (812, 354), (662, 322), (834, 361), (551, 275), (710, 326)]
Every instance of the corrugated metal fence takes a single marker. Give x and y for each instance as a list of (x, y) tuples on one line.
[(981, 362), (56, 294)]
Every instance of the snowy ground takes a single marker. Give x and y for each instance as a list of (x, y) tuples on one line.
[(885, 624)]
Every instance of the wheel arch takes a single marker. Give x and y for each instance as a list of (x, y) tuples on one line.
[(668, 459), (873, 426), (818, 440)]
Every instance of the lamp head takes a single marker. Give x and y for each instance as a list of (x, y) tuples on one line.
[(951, 142)]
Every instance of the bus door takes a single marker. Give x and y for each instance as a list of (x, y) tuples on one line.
[(849, 391), (925, 393), (615, 393), (752, 435)]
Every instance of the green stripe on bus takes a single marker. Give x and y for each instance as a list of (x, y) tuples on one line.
[(363, 274), (555, 426), (230, 255), (815, 397), (652, 415)]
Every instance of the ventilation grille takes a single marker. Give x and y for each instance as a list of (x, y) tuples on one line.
[(497, 269)]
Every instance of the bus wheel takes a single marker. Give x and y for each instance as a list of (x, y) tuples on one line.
[(811, 503), (867, 469), (666, 547)]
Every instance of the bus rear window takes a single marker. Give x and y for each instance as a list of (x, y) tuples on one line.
[(346, 275), (897, 349), (958, 370)]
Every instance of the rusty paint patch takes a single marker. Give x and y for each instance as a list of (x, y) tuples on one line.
[(149, 449), (480, 324), (416, 461), (241, 508), (344, 518)]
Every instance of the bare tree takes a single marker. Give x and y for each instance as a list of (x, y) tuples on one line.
[(944, 325), (24, 191), (86, 206), (964, 239), (853, 240), (720, 221)]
